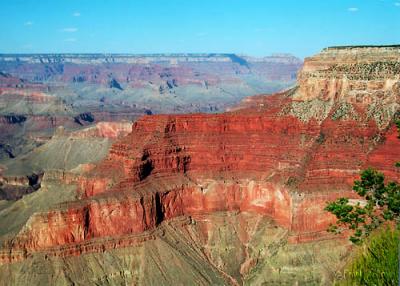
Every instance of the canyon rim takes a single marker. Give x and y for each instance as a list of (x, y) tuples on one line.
[(229, 198)]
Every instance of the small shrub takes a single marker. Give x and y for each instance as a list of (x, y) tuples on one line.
[(376, 262)]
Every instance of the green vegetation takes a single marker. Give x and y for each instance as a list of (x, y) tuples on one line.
[(377, 262), (366, 71), (344, 110), (381, 202)]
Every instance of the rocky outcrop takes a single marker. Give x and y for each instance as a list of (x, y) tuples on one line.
[(75, 91), (281, 156), (15, 187), (112, 130), (341, 81), (14, 192)]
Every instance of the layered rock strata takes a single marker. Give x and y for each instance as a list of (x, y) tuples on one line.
[(281, 156)]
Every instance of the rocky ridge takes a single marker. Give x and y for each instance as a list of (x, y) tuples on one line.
[(77, 90), (280, 157)]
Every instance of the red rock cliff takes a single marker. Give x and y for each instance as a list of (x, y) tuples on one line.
[(283, 155)]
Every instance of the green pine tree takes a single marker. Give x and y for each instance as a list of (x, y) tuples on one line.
[(377, 262)]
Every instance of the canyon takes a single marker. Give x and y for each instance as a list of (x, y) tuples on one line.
[(233, 198), (41, 92)]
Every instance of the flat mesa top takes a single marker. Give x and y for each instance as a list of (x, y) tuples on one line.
[(362, 46), (118, 55)]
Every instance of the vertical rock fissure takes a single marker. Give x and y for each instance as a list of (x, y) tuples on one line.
[(86, 222), (159, 209)]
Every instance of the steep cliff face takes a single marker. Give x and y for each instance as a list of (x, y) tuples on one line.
[(280, 157), (40, 92), (348, 79)]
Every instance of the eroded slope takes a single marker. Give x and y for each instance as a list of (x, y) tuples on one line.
[(268, 167)]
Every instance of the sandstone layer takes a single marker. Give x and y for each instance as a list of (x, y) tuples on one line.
[(41, 92), (278, 158)]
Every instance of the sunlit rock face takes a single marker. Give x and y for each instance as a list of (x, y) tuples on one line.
[(275, 159), (354, 78), (41, 92)]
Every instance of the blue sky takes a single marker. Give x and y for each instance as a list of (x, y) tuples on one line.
[(254, 27)]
